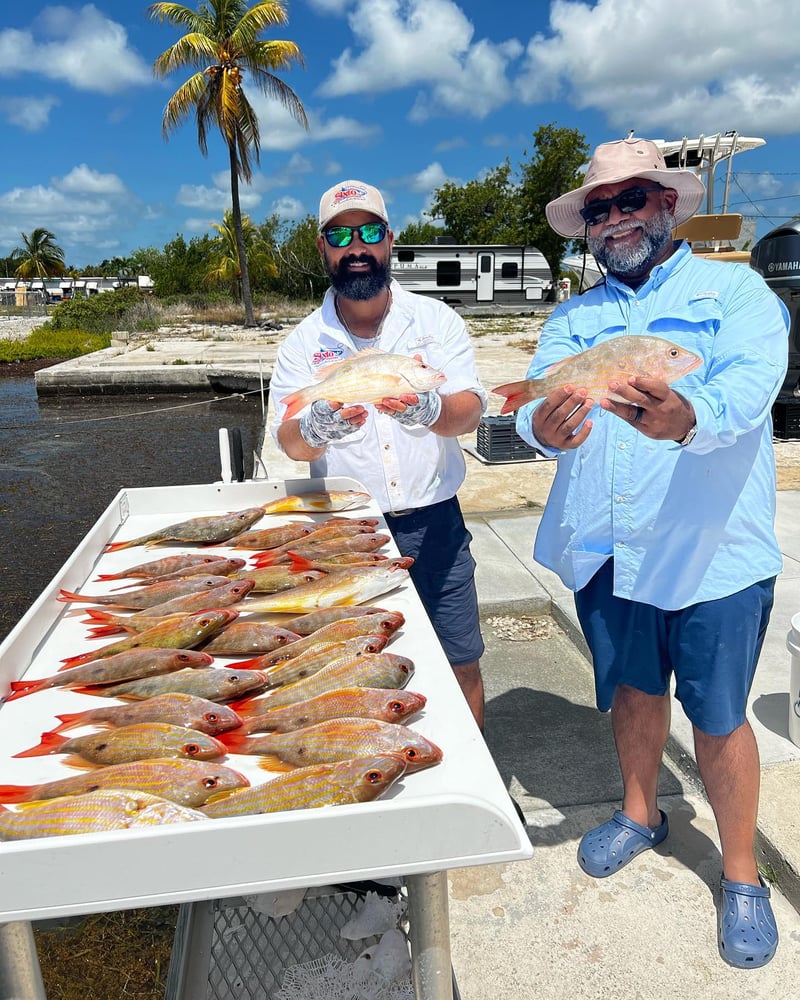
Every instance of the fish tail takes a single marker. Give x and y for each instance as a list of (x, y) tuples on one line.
[(295, 402), (77, 661), (20, 688), (100, 630), (256, 663), (233, 741), (269, 762), (50, 743), (299, 563), (69, 720), (110, 576), (518, 393), (116, 546), (67, 596), (15, 793)]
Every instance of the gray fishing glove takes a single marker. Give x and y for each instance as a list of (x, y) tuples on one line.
[(423, 413), (320, 425)]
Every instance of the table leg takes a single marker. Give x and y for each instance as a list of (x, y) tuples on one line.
[(20, 975), (429, 932)]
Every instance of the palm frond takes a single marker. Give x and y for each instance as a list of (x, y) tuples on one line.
[(192, 50), (183, 102)]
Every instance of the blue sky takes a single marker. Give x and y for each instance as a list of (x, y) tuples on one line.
[(406, 94)]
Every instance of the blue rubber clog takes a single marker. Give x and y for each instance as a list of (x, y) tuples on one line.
[(748, 934), (609, 847)]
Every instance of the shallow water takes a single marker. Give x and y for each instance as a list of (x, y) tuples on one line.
[(62, 461)]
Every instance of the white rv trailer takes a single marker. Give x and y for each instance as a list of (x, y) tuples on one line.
[(471, 274)]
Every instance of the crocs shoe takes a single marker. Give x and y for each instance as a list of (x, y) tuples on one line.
[(748, 934), (609, 847)]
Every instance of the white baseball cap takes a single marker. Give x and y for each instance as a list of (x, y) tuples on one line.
[(351, 196)]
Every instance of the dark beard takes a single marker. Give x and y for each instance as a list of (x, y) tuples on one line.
[(359, 287), (656, 234)]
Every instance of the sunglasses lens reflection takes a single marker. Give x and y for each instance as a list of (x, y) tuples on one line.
[(627, 201), (342, 236)]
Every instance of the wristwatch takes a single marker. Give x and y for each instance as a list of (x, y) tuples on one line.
[(689, 436)]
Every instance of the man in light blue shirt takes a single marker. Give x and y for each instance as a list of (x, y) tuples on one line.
[(661, 514)]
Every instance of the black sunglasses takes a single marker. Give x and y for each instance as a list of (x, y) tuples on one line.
[(632, 199), (342, 236)]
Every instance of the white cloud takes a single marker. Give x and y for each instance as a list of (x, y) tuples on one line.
[(84, 208), (428, 43), (670, 72), (289, 208), (217, 198), (424, 182), (82, 48), (31, 114), (281, 133)]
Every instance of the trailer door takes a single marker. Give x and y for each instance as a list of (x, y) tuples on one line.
[(484, 281)]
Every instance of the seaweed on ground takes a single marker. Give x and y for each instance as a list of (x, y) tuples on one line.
[(108, 956)]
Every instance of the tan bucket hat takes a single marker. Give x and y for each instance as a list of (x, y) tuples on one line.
[(613, 162), (351, 195)]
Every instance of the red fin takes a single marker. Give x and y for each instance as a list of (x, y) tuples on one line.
[(20, 688), (116, 546), (69, 720), (233, 741), (67, 596), (294, 402), (517, 394), (50, 743), (15, 793), (100, 630), (299, 563), (110, 576), (256, 663)]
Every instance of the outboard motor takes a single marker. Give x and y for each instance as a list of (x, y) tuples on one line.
[(776, 257)]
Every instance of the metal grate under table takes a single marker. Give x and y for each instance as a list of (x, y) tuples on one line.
[(226, 950)]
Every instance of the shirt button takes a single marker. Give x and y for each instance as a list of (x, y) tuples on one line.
[(620, 545), (393, 482), (622, 446), (620, 499), (386, 447)]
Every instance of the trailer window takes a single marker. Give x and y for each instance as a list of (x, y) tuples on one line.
[(486, 263), (405, 255), (510, 269), (448, 273)]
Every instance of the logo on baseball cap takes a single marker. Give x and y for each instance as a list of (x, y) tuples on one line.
[(348, 196)]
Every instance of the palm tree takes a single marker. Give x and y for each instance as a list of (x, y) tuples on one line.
[(225, 260), (39, 256), (222, 43)]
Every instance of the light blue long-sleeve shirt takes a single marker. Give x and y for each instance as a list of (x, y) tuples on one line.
[(684, 524)]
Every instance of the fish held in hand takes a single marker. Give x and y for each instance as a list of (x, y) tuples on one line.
[(361, 779), (173, 707), (93, 812), (366, 377), (140, 741), (386, 704), (316, 502), (337, 739), (207, 530), (614, 360)]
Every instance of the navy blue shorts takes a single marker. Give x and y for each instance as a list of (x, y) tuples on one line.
[(712, 648), (444, 575)]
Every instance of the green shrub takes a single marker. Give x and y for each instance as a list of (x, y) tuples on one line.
[(46, 343), (102, 313)]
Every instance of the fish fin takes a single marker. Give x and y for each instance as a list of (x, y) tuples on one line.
[(67, 596), (15, 793), (20, 688), (50, 743), (234, 742), (269, 762), (109, 576), (517, 393), (101, 630), (116, 546), (255, 663), (299, 563), (73, 760), (70, 720), (295, 402)]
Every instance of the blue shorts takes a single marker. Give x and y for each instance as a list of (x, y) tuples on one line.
[(711, 647), (444, 575)]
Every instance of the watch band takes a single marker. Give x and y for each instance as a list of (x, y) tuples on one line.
[(689, 436)]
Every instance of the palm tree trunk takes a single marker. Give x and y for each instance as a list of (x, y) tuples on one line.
[(247, 298)]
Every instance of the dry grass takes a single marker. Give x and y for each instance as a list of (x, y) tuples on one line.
[(109, 956)]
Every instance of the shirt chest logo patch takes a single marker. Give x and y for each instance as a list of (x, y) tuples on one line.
[(325, 356)]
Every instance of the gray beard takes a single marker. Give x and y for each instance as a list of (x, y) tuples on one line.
[(627, 261)]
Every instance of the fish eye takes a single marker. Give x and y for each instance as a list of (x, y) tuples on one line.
[(210, 782), (396, 707), (373, 777), (673, 352), (411, 753), (191, 749), (101, 746), (211, 717)]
